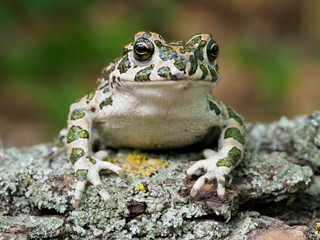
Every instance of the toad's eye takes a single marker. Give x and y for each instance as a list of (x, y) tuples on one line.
[(212, 50), (143, 49)]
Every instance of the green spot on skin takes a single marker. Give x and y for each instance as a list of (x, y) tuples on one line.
[(144, 74), (76, 132), (158, 43), (234, 133), (186, 48), (202, 43), (124, 65), (77, 114), (204, 71), (233, 157), (194, 65), (214, 107), (106, 102), (194, 41), (214, 74), (89, 97), (199, 52), (166, 53), (180, 63), (105, 74), (82, 174), (223, 163), (234, 115), (76, 154), (146, 34), (234, 154), (165, 72), (125, 51), (92, 161)]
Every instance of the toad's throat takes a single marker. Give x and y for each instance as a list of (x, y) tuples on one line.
[(166, 91)]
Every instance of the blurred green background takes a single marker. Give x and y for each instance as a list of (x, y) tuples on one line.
[(51, 52)]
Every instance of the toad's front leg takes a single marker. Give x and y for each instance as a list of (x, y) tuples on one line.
[(86, 164), (230, 152)]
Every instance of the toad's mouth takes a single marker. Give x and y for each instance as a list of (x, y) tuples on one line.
[(171, 82), (168, 91), (183, 83), (173, 78)]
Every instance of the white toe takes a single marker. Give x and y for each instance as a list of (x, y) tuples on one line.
[(201, 164)]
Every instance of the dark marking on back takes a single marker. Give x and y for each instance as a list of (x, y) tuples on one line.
[(165, 72), (76, 132), (234, 133), (124, 65), (214, 107), (144, 74), (194, 65), (234, 115), (106, 102)]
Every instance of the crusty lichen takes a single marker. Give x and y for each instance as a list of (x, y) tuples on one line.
[(300, 137), (273, 175), (138, 164), (157, 190), (33, 227)]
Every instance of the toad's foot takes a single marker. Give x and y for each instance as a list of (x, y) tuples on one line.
[(87, 169), (209, 165)]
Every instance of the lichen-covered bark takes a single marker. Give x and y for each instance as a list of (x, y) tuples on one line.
[(278, 177)]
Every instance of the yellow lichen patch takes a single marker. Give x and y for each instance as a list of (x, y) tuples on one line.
[(140, 187), (139, 164), (318, 230)]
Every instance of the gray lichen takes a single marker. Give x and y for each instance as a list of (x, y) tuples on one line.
[(299, 137), (36, 193)]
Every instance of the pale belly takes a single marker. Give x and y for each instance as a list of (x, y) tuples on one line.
[(157, 115), (153, 133)]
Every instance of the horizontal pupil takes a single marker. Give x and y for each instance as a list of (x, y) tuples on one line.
[(213, 51), (215, 48), (141, 49)]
